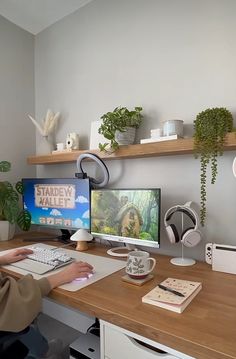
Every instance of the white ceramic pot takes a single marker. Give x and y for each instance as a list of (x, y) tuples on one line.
[(173, 127), (45, 145), (7, 230), (127, 137)]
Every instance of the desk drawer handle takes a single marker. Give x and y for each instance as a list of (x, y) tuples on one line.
[(147, 347)]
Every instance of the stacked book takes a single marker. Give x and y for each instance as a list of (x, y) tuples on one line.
[(173, 294)]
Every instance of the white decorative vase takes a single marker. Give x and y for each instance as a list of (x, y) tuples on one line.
[(127, 137), (45, 145), (7, 230)]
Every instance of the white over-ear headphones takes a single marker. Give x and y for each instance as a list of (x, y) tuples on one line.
[(95, 183), (191, 236)]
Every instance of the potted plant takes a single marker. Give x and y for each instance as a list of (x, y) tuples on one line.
[(210, 128), (118, 122), (10, 211)]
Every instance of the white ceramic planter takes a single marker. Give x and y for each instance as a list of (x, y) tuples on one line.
[(45, 145), (7, 230), (173, 127), (127, 137)]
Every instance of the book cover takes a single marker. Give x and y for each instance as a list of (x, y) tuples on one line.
[(167, 300)]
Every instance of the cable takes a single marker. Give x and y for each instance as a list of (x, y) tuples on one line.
[(94, 328)]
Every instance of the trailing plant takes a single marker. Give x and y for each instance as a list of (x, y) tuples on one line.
[(118, 120), (9, 201), (210, 128)]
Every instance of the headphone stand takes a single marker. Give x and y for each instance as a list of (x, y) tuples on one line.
[(181, 261)]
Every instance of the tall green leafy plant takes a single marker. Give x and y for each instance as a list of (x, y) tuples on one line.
[(118, 120), (9, 201), (210, 128)]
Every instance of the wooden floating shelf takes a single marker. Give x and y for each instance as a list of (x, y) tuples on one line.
[(165, 148)]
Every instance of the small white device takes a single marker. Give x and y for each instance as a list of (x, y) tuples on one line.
[(86, 346), (222, 257), (208, 253)]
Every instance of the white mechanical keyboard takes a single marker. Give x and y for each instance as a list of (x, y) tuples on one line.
[(43, 260)]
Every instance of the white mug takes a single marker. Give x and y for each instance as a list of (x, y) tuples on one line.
[(139, 264)]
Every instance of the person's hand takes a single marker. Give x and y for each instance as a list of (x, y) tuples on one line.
[(71, 272), (15, 255)]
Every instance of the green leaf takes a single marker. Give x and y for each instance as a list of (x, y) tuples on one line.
[(10, 209), (11, 212), (24, 220), (19, 187), (5, 166), (102, 146), (8, 186), (11, 197)]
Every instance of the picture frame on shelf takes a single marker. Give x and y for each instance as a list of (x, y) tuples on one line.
[(95, 137)]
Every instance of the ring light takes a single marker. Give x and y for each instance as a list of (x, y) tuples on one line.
[(234, 167), (96, 183)]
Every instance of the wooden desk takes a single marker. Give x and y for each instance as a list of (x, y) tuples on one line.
[(205, 330)]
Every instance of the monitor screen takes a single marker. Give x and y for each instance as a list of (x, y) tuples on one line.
[(127, 215), (58, 202)]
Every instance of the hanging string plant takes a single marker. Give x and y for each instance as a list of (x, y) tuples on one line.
[(210, 128)]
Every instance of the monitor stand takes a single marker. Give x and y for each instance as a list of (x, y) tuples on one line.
[(64, 237), (121, 251), (182, 261)]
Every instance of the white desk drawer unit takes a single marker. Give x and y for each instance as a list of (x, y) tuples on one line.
[(117, 343)]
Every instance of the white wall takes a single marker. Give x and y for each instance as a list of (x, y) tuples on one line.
[(17, 135), (174, 58)]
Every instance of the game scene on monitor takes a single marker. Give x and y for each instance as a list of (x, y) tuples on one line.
[(60, 203), (126, 213)]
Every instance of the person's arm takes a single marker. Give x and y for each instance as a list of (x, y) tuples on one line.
[(14, 256), (73, 271), (21, 301)]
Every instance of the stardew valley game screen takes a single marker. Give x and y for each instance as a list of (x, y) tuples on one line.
[(62, 203), (126, 213)]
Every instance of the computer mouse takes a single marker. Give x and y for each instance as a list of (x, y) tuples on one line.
[(84, 278)]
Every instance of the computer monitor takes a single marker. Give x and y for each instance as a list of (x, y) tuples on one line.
[(130, 216), (59, 203)]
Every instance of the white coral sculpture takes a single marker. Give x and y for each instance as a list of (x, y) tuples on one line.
[(49, 123)]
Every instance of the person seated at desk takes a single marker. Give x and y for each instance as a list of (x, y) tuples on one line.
[(21, 301)]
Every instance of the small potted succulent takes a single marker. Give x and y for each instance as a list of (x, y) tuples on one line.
[(10, 210), (119, 127), (210, 129)]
